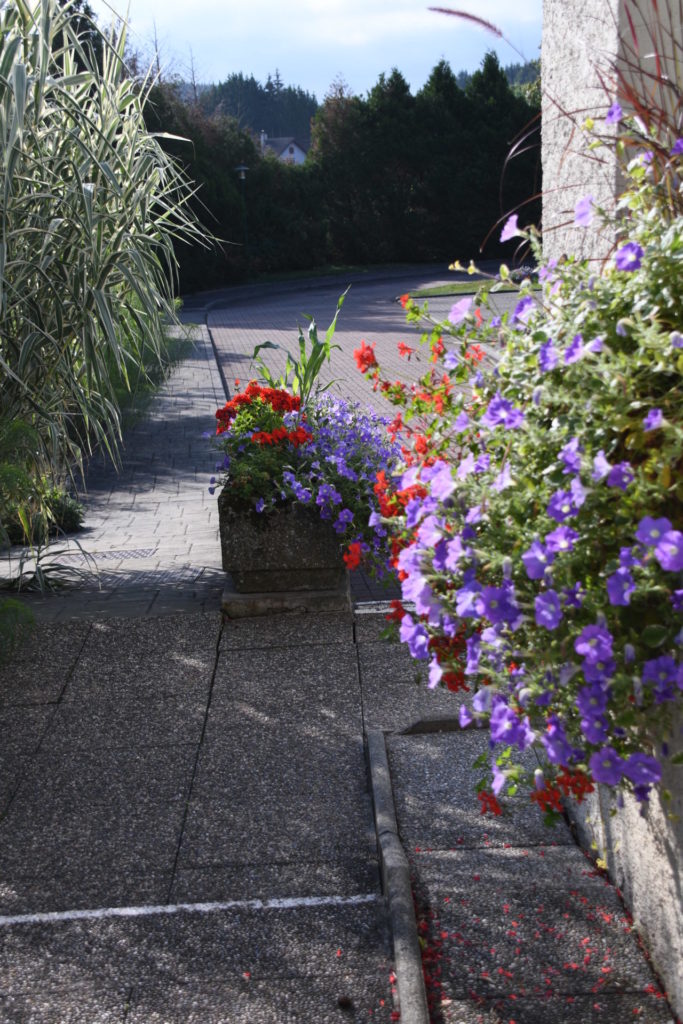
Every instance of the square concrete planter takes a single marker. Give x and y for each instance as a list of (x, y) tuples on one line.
[(284, 559)]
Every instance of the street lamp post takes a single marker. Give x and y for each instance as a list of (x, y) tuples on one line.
[(242, 172)]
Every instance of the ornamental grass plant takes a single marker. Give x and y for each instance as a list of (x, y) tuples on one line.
[(91, 206), (537, 520)]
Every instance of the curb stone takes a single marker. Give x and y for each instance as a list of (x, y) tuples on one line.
[(396, 887)]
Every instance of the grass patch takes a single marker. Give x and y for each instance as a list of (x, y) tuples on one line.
[(462, 288)]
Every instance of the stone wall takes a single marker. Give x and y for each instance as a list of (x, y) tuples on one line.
[(581, 40)]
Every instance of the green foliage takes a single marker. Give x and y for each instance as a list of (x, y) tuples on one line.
[(275, 108), (374, 188), (90, 209), (300, 375)]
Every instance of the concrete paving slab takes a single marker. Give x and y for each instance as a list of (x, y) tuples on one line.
[(195, 948), (145, 838), (172, 654), (126, 725), (81, 883), (347, 999), (605, 1008), (40, 668), (260, 880), (311, 684), (252, 801), (495, 928), (394, 700), (389, 662), (76, 1006), (288, 630), (440, 765)]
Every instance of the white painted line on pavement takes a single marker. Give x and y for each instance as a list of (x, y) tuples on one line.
[(283, 903)]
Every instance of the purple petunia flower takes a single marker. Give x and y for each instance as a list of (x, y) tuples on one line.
[(621, 476), (601, 467), (573, 596), (536, 560), (614, 114), (596, 345), (500, 412), (435, 673), (260, 505), (473, 645), (442, 483), (642, 769), (575, 350), (510, 228), (650, 531), (583, 212), (653, 420), (594, 643), (503, 480), (606, 766), (578, 492), (464, 716), (661, 673), (554, 739), (677, 148), (451, 360), (629, 257), (460, 310), (548, 610), (497, 605), (677, 600), (669, 551), (465, 467), (594, 729), (506, 727), (598, 671), (547, 356), (620, 586), (571, 456), (523, 310), (561, 506), (415, 635), (592, 701), (676, 339), (561, 539)]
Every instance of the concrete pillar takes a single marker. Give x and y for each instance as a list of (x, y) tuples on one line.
[(585, 43)]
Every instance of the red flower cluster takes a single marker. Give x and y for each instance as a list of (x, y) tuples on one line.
[(365, 357), (352, 557), (278, 400), (548, 798), (295, 437), (488, 803)]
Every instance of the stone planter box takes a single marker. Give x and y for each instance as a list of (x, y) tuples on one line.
[(286, 559)]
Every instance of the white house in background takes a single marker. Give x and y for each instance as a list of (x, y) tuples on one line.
[(287, 149)]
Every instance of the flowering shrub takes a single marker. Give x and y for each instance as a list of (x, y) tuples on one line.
[(327, 455), (539, 537)]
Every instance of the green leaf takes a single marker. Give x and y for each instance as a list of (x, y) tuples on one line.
[(654, 635)]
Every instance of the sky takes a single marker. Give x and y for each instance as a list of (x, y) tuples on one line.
[(316, 42)]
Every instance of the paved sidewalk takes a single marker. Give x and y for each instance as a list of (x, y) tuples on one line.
[(186, 826)]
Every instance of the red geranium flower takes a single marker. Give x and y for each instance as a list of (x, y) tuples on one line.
[(365, 357)]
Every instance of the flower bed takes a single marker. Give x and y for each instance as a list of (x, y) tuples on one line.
[(537, 522)]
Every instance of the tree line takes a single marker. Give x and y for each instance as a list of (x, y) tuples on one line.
[(389, 177)]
